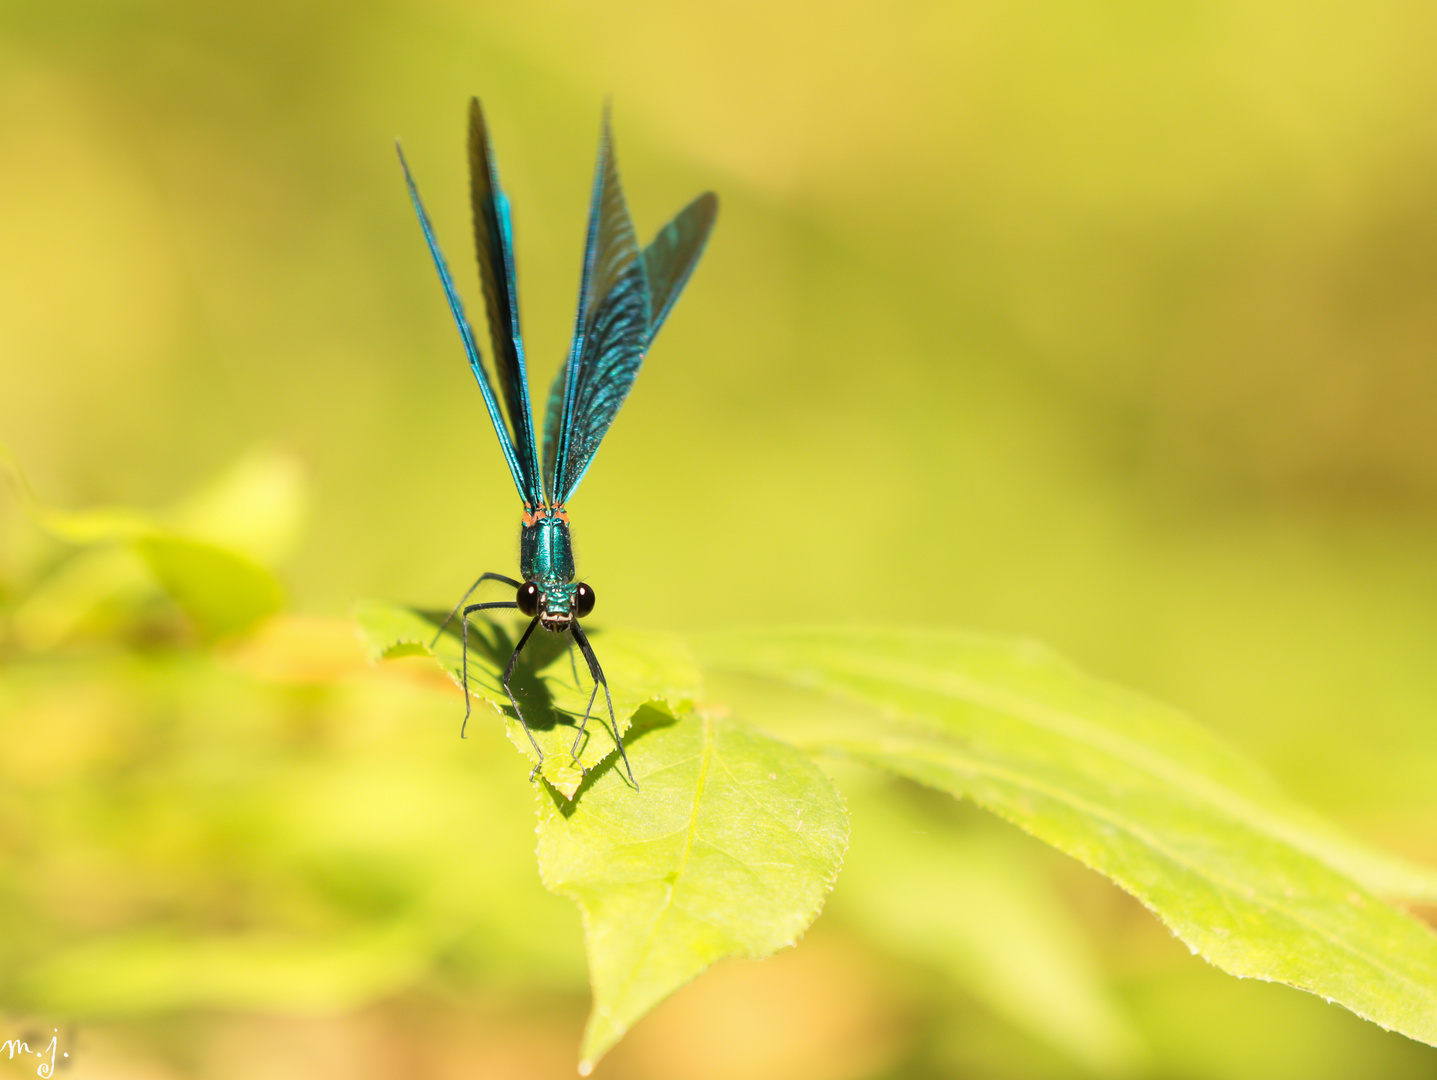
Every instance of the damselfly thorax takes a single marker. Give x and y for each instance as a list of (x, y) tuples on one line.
[(546, 560), (546, 552)]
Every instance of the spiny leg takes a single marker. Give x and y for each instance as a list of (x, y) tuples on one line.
[(482, 578), (464, 652), (599, 680), (509, 674)]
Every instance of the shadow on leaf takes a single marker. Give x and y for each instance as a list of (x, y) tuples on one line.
[(491, 645), (647, 719)]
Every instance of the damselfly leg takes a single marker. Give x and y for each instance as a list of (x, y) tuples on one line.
[(464, 661), (598, 676), (468, 593)]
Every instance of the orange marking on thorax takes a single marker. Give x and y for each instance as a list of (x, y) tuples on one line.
[(533, 516)]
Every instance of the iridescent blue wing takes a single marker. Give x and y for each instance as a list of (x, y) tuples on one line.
[(607, 348), (522, 481), (494, 244), (610, 335), (674, 253)]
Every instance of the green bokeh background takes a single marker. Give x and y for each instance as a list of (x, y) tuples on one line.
[(1112, 324)]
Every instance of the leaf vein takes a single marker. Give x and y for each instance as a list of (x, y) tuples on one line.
[(740, 786)]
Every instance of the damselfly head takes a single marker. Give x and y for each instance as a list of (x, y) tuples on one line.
[(556, 605)]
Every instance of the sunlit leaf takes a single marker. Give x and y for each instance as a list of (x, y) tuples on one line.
[(1135, 790), (389, 630), (222, 591), (640, 668), (968, 904), (254, 507), (727, 849)]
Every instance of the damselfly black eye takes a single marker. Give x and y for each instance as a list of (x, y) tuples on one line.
[(528, 598), (583, 601)]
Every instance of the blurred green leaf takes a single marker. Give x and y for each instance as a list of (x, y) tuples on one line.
[(207, 555), (82, 527), (182, 834), (640, 668), (728, 848), (255, 507), (969, 905), (151, 972), (91, 584), (222, 590), (1133, 789)]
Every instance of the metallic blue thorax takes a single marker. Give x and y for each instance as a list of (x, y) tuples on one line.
[(546, 553)]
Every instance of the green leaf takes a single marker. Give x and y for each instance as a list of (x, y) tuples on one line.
[(640, 668), (389, 630), (1249, 881), (79, 593), (82, 527), (969, 903), (222, 591), (207, 555), (728, 848)]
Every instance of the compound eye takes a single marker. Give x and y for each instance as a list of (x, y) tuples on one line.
[(528, 598), (583, 601)]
